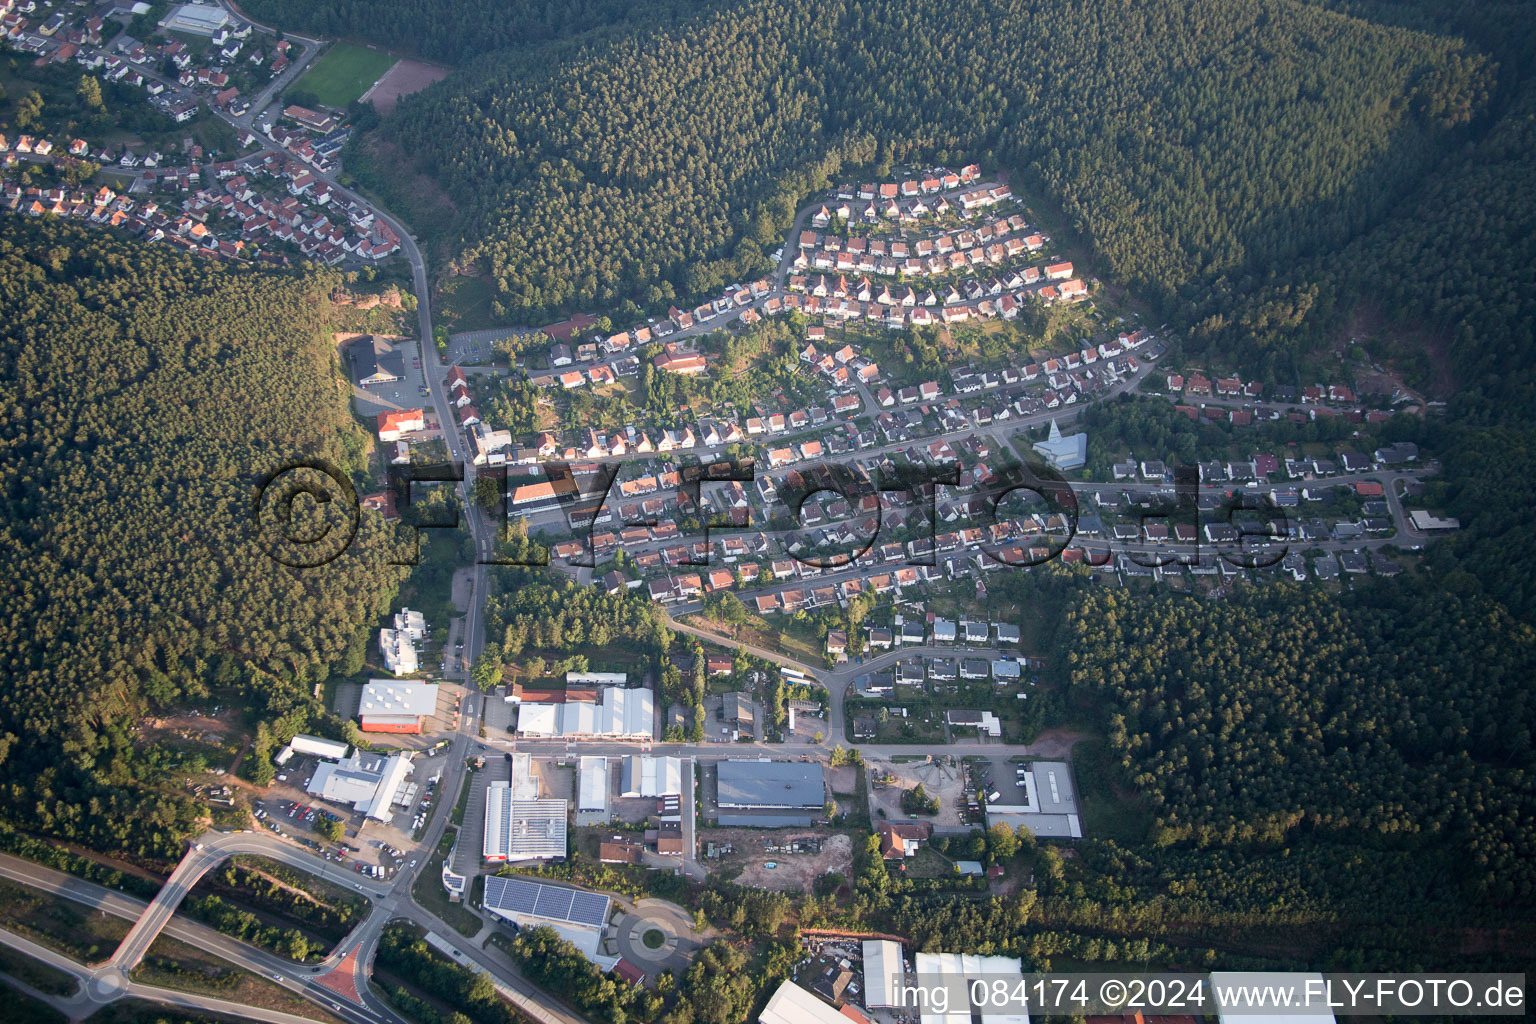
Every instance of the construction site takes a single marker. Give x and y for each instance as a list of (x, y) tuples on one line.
[(798, 857)]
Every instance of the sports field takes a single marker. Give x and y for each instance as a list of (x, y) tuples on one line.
[(344, 73)]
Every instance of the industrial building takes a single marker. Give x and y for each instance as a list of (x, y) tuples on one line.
[(374, 362), (621, 714), (396, 705), (884, 974), (769, 794), (1305, 999), (592, 785), (646, 776), (792, 1004), (371, 783), (314, 746), (955, 972), (576, 915), (1050, 803), (519, 829), (196, 19)]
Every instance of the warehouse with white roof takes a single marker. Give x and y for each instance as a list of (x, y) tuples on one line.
[(646, 776), (621, 714), (792, 1004), (592, 785), (371, 783), (522, 829), (314, 746), (1305, 1003), (196, 19), (396, 705), (884, 974), (956, 972)]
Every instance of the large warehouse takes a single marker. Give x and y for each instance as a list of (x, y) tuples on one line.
[(621, 714), (577, 915), (197, 19), (1050, 803), (768, 794), (646, 776), (592, 785), (522, 829), (884, 974), (957, 972), (792, 1004), (396, 705), (369, 782), (776, 784)]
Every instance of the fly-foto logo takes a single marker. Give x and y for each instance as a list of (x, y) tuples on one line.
[(1244, 529)]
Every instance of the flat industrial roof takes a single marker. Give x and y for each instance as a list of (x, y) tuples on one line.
[(592, 784), (1303, 1006), (771, 784), (199, 19), (522, 829), (399, 697), (883, 973), (367, 781), (954, 971), (1053, 784)]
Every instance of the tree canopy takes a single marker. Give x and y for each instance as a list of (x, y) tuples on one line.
[(144, 395)]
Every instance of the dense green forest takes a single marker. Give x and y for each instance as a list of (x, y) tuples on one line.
[(455, 30), (1199, 145), (144, 392), (1388, 716)]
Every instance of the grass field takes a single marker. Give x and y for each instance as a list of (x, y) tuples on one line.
[(344, 73)]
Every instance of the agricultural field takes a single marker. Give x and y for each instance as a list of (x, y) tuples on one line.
[(344, 73)]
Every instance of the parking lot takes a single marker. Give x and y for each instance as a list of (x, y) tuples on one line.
[(472, 348), (406, 393), (1004, 779)]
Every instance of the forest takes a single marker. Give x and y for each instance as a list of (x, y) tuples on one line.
[(144, 394), (1198, 145), (1384, 717), (455, 30)]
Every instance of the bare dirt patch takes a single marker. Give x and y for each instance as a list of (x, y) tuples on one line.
[(406, 77), (793, 872), (1410, 356), (199, 728), (892, 779), (1056, 744)]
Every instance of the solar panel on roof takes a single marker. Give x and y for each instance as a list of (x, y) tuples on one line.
[(555, 903), (510, 894), (589, 908)]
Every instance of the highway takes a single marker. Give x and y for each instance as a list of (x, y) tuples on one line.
[(106, 981)]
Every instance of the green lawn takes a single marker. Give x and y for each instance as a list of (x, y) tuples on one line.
[(429, 892), (344, 73)]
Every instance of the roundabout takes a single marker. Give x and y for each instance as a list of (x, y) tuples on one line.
[(656, 935)]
